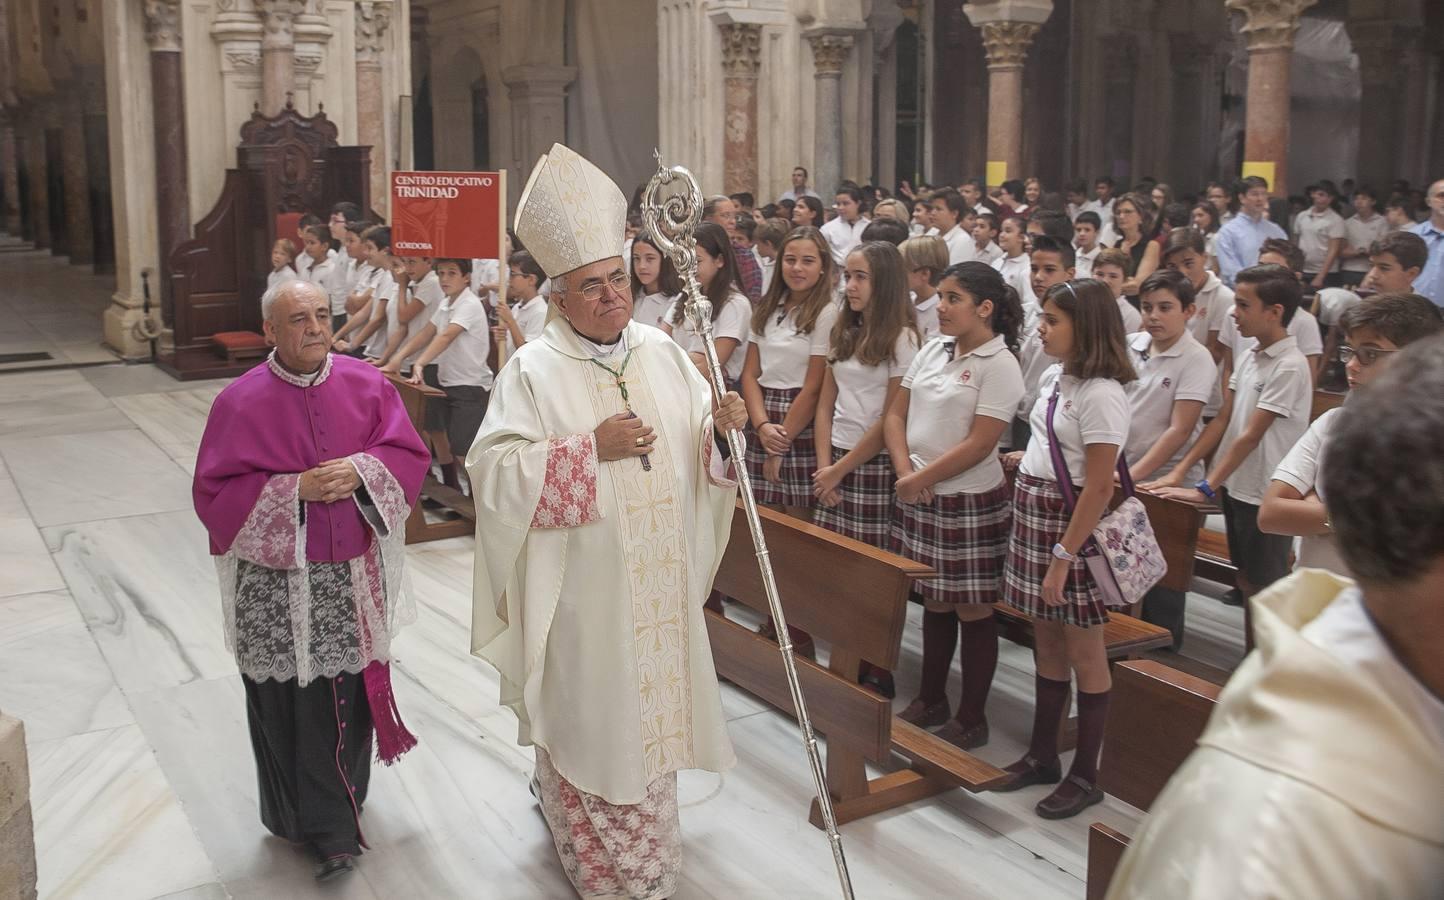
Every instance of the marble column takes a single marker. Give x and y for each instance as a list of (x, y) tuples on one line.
[(1380, 98), (80, 236), (97, 164), (538, 116), (278, 51), (1268, 31), (10, 172), (37, 178), (1008, 28), (373, 18), (741, 61), (313, 36), (829, 51), (172, 187)]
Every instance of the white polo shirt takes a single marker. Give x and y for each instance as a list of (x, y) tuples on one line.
[(1300, 469), (961, 246), (1132, 318), (649, 308), (1275, 379), (1185, 371), (383, 287), (1312, 232), (429, 292), (1212, 304), (488, 271), (989, 254), (1303, 328), (531, 318), (1018, 271), (844, 238), (784, 352), (1359, 234), (862, 391), (1083, 262), (463, 362), (927, 314), (1090, 411), (948, 395), (734, 321)]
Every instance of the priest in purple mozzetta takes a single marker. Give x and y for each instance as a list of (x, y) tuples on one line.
[(306, 474)]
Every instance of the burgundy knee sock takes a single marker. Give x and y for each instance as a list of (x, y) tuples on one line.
[(1047, 718), (980, 661), (940, 637), (1092, 717)]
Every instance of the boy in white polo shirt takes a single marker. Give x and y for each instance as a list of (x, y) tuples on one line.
[(1319, 232), (1375, 329), (948, 213), (523, 317), (459, 349), (1361, 230), (1176, 378), (925, 258), (418, 296), (1085, 242), (1266, 411), (985, 244), (1303, 327)]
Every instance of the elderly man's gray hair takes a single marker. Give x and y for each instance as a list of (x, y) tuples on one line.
[(295, 286)]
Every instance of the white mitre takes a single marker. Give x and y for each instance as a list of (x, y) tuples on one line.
[(571, 214)]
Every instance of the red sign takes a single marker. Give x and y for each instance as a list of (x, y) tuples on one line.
[(448, 215)]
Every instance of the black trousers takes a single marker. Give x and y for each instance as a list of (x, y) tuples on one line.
[(313, 759)]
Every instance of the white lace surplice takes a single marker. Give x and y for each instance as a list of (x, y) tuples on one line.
[(288, 618)]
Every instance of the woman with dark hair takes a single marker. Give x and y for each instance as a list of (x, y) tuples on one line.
[(1012, 198), (1083, 403), (1204, 219), (655, 282), (808, 212), (1133, 216), (953, 511), (731, 312)]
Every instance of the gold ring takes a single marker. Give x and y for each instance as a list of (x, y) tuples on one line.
[(641, 442)]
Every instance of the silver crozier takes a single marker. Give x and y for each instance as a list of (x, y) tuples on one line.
[(671, 211)]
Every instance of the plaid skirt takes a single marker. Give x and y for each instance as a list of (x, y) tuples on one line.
[(798, 465), (865, 511), (964, 537), (1039, 520)]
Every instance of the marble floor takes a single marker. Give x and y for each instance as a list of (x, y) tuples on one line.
[(143, 785)]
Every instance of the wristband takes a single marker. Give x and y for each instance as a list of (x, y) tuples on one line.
[(1061, 552), (1204, 488)]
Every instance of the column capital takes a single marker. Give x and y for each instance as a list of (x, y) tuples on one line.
[(741, 49), (829, 51), (1269, 24), (373, 17), (1030, 12), (538, 80), (278, 20), (162, 26), (1007, 43)]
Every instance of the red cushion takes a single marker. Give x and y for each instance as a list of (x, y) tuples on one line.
[(239, 340)]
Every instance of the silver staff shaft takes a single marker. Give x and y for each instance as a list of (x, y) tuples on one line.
[(671, 225)]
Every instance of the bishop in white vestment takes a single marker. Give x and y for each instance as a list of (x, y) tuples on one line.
[(603, 508)]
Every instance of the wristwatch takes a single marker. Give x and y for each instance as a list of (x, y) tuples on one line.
[(1206, 489), (1061, 552)]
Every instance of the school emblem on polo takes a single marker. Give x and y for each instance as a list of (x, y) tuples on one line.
[(1167, 383), (963, 378)]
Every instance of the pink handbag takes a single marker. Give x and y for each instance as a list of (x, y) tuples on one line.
[(1123, 555)]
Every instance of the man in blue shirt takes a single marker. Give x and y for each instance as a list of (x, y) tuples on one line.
[(1239, 241), (1430, 282)]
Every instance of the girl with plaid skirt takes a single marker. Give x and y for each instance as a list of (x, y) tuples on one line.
[(782, 375), (953, 511), (1045, 575), (782, 378), (872, 344)]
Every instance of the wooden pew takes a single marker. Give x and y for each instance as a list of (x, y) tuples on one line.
[(418, 530), (854, 598), (1155, 717)]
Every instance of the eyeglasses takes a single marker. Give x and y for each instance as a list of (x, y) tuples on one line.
[(621, 282), (1367, 355)]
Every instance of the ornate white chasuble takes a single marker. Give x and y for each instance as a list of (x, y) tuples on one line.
[(652, 532)]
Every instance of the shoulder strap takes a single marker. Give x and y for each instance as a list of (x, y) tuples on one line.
[(1060, 465)]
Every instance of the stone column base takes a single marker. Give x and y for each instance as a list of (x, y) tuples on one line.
[(122, 326), (17, 832)]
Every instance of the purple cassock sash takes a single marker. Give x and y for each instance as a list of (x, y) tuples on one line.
[(269, 426)]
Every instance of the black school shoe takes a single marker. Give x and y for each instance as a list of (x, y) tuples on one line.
[(335, 867), (1070, 798), (1027, 772), (1234, 597)]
